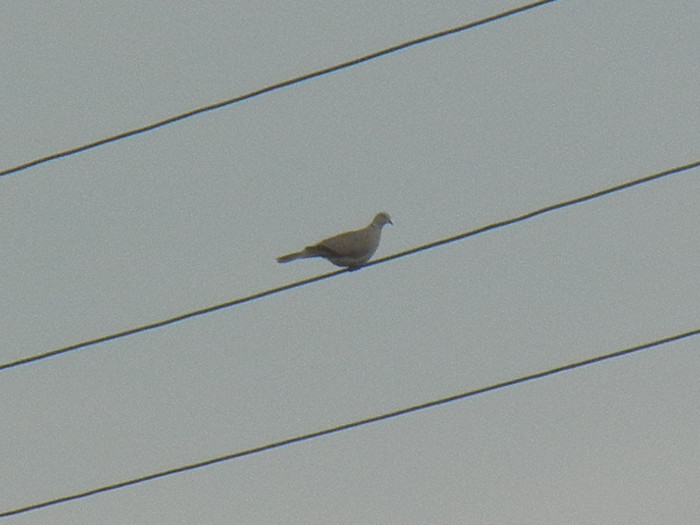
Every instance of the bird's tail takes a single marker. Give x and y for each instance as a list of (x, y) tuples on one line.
[(291, 256)]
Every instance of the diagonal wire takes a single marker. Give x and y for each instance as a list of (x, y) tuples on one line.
[(429, 246), (353, 424), (541, 211), (275, 87)]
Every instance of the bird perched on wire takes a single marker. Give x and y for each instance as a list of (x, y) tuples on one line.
[(350, 249)]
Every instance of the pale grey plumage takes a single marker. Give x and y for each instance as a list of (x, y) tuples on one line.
[(350, 249)]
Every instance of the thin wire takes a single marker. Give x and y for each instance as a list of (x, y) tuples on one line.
[(259, 295), (354, 424), (541, 211), (275, 87)]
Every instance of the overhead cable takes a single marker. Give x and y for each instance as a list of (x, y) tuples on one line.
[(275, 87), (272, 291), (348, 426)]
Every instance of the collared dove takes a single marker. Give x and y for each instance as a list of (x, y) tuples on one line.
[(349, 249)]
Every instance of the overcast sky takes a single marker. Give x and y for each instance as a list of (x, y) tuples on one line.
[(448, 136)]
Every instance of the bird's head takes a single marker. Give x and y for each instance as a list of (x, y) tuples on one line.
[(381, 219)]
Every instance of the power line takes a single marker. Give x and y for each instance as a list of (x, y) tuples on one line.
[(353, 424), (272, 291), (275, 87), (541, 211)]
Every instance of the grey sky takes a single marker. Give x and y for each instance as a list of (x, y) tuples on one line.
[(446, 137)]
